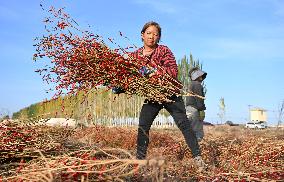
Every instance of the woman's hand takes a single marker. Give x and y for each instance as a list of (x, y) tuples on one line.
[(145, 71)]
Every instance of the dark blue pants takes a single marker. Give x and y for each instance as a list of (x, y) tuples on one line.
[(149, 112)]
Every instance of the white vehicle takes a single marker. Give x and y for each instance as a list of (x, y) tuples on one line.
[(256, 125)]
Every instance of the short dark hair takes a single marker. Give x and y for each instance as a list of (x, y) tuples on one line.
[(152, 23)]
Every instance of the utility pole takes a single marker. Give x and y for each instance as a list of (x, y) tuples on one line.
[(249, 107), (281, 112)]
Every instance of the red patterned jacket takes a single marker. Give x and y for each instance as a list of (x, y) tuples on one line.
[(162, 56)]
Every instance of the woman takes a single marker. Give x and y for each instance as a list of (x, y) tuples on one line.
[(163, 57)]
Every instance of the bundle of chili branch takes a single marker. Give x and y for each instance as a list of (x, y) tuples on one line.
[(82, 61)]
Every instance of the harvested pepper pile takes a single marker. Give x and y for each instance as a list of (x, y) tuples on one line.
[(65, 154)]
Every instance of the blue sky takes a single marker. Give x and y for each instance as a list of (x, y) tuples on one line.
[(239, 42)]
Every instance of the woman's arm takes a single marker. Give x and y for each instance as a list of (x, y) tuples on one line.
[(168, 62)]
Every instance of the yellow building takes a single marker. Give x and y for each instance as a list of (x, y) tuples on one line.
[(258, 115)]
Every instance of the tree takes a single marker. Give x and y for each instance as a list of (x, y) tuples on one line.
[(2, 118), (4, 113), (222, 110), (183, 75)]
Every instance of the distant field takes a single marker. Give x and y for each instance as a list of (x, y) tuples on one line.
[(99, 153)]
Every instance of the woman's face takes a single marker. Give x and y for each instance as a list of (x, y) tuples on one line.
[(151, 36)]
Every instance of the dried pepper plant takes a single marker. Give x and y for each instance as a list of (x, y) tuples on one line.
[(81, 61), (231, 155)]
